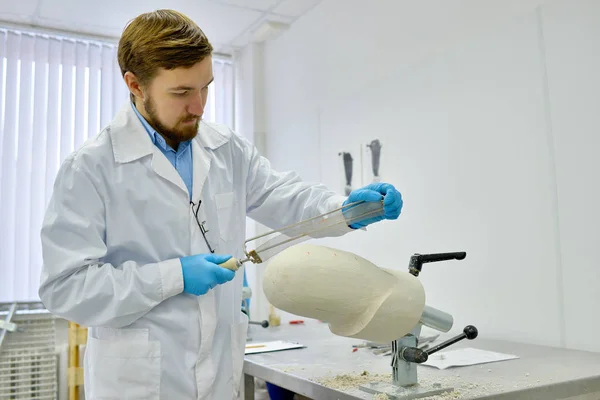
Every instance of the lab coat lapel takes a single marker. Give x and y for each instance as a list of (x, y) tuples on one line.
[(131, 142), (203, 146), (129, 139), (163, 167), (201, 159)]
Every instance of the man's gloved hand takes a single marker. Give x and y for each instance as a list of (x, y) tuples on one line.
[(201, 272), (392, 202)]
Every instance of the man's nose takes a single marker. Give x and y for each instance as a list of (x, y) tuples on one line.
[(196, 106)]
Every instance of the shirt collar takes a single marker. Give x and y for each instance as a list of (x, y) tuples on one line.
[(157, 138)]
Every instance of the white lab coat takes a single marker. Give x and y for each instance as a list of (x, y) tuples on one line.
[(118, 222)]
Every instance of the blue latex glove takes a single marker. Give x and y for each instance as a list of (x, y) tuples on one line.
[(392, 202), (201, 272)]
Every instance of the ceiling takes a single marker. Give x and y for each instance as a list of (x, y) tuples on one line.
[(229, 24)]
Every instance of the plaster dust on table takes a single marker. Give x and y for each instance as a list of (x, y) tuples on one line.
[(351, 381), (454, 395), (381, 396), (462, 389)]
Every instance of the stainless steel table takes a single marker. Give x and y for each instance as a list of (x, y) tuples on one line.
[(543, 373)]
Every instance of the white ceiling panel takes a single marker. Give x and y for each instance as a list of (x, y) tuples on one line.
[(228, 23), (295, 8), (262, 5), (220, 23), (246, 36), (17, 11)]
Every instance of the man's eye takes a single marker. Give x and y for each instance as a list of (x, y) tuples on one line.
[(181, 93)]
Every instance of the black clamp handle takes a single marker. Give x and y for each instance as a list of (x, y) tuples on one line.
[(417, 260), (264, 324), (470, 332), (415, 355)]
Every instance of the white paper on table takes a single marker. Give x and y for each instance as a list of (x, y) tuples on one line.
[(464, 357), (266, 347)]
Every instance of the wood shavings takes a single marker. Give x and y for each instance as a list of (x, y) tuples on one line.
[(454, 395), (461, 389), (381, 396), (350, 381), (470, 386)]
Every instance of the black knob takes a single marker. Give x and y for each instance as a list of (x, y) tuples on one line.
[(470, 332)]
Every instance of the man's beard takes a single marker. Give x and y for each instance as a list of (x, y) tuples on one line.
[(179, 133)]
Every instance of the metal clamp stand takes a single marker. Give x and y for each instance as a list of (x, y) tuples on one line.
[(6, 325), (406, 354), (247, 294)]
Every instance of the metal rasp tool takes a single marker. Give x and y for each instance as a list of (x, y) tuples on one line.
[(279, 239)]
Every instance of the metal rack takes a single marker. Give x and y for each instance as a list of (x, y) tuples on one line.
[(28, 356)]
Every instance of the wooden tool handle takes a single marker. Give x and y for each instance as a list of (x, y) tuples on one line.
[(231, 264)]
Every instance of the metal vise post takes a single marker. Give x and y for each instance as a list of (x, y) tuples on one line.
[(405, 352)]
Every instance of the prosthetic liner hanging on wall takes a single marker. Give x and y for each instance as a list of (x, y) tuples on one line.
[(347, 158), (375, 147)]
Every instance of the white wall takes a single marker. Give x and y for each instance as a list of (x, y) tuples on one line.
[(250, 119), (486, 114), (572, 32)]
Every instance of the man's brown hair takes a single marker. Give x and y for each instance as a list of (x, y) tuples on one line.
[(161, 39)]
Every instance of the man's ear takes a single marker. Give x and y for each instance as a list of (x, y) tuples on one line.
[(134, 85)]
